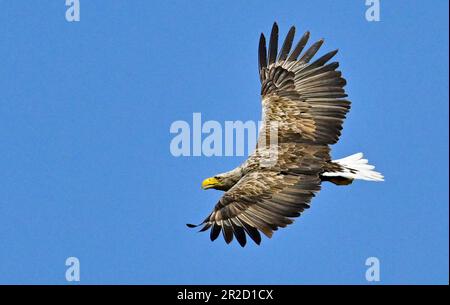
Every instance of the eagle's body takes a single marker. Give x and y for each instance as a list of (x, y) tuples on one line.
[(303, 107)]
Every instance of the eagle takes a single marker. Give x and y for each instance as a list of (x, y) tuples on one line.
[(304, 105)]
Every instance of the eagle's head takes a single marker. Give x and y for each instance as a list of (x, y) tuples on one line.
[(212, 182), (222, 182)]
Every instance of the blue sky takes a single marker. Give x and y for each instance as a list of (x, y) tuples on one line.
[(87, 171)]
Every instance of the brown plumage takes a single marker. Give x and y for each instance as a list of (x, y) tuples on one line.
[(306, 102)]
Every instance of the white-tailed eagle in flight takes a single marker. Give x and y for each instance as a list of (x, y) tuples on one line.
[(306, 101)]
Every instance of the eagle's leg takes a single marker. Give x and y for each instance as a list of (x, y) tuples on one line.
[(337, 180)]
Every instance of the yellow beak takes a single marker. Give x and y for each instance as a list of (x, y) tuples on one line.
[(209, 183)]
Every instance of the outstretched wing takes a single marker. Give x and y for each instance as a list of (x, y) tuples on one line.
[(260, 201), (305, 99), (307, 103)]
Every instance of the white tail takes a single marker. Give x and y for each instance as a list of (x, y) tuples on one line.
[(355, 167)]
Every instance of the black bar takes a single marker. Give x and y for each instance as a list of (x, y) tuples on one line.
[(229, 294)]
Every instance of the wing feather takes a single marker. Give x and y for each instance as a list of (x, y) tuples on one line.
[(287, 44), (215, 231), (299, 47), (260, 202), (306, 98), (273, 44), (262, 54), (306, 57)]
